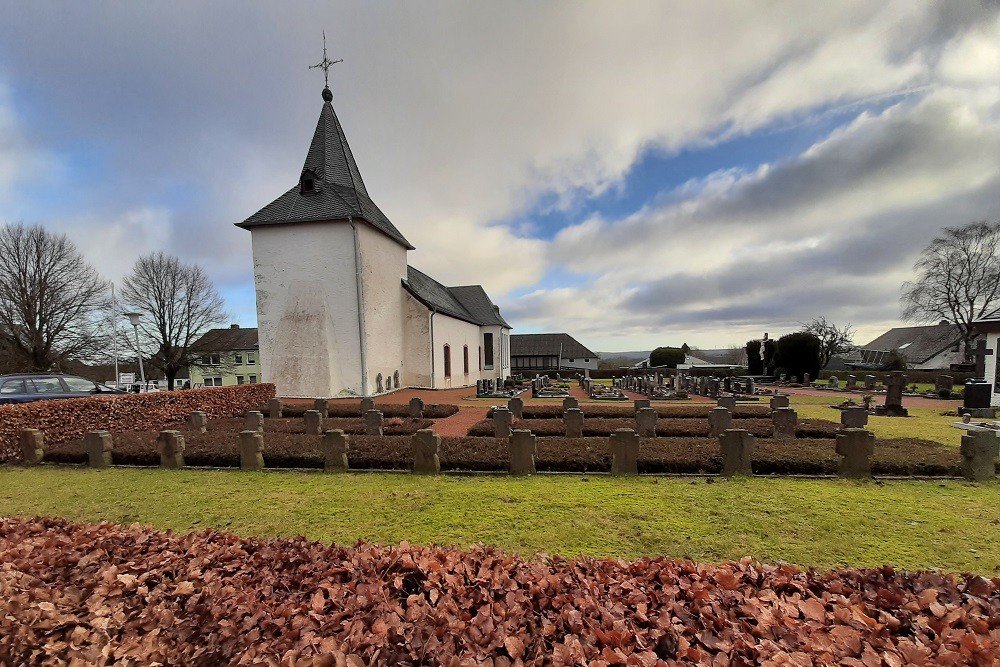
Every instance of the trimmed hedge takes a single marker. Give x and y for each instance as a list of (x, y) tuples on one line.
[(352, 409), (665, 428), (627, 410), (68, 419)]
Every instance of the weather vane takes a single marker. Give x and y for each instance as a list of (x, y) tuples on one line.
[(326, 63)]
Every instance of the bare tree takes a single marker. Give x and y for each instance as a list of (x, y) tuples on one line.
[(50, 299), (178, 304), (958, 279), (832, 339)]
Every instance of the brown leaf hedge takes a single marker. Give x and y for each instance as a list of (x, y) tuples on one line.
[(114, 595), (665, 427)]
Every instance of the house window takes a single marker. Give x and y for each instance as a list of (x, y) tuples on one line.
[(214, 359), (238, 358), (571, 360), (465, 358), (488, 349), (239, 379), (213, 382), (447, 361), (586, 361), (253, 379), (251, 358)]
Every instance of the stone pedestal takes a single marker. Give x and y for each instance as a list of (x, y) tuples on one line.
[(645, 422), (198, 421), (253, 421), (171, 447), (502, 420), (719, 421), (573, 419), (570, 403), (979, 451), (624, 444), (522, 453), (416, 408), (727, 402), (737, 447), (32, 442), (98, 445), (335, 445), (313, 422), (425, 444), (976, 394), (854, 417), (516, 407), (784, 421), (321, 406), (252, 450), (869, 382), (274, 408), (852, 382), (894, 396), (779, 401), (856, 447), (374, 424), (366, 405)]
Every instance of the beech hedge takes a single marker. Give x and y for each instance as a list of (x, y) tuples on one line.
[(108, 594), (68, 419), (665, 409), (761, 428)]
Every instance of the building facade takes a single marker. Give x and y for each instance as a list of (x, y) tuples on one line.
[(536, 353), (225, 358)]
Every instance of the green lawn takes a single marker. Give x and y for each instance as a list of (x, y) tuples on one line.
[(823, 523), (923, 423)]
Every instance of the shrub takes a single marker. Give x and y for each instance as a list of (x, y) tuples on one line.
[(667, 356)]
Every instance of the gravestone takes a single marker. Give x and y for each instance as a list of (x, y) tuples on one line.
[(979, 450), (779, 401), (737, 447), (854, 417), (198, 421), (943, 383), (274, 408), (719, 420), (645, 421), (367, 404), (252, 450), (416, 408), (502, 420), (522, 452), (977, 393), (335, 445), (748, 387), (806, 378), (641, 403), (852, 382), (32, 446), (171, 447), (624, 444), (253, 421), (374, 424), (98, 445), (320, 405), (573, 419), (855, 447), (894, 396), (869, 382), (569, 403), (516, 407), (727, 402), (784, 421), (425, 444), (833, 382), (313, 422)]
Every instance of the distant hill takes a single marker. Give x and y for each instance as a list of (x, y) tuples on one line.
[(634, 356)]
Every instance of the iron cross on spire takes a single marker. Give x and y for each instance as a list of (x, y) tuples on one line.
[(326, 63)]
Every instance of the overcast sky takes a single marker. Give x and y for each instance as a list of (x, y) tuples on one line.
[(636, 174)]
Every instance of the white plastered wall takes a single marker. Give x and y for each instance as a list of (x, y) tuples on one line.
[(416, 342), (992, 341), (383, 267), (307, 314), (456, 334)]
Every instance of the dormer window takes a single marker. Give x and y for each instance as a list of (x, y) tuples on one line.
[(308, 183)]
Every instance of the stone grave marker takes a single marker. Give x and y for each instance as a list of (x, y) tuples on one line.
[(252, 450), (253, 421), (854, 417), (335, 445), (641, 403), (624, 443), (806, 378), (313, 422), (99, 446), (321, 406), (573, 419), (779, 401), (727, 402), (274, 408), (737, 447), (944, 383), (198, 421), (569, 403), (522, 452), (852, 382), (425, 444), (784, 421), (502, 420), (416, 408), (171, 447), (979, 450), (894, 396), (719, 420), (869, 382), (645, 421), (374, 424), (855, 447), (516, 407), (32, 442), (367, 404), (833, 382)]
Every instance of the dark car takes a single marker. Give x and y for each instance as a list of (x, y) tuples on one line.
[(27, 387)]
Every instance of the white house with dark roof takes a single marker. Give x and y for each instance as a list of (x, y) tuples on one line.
[(339, 311), (532, 353)]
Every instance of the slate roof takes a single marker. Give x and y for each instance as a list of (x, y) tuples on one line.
[(339, 193), (538, 345), (224, 340), (469, 303), (917, 344)]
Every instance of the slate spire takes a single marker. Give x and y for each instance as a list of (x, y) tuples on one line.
[(330, 157)]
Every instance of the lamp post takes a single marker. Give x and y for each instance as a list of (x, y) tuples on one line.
[(134, 319)]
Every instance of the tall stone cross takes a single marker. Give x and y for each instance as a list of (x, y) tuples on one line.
[(981, 354), (326, 63)]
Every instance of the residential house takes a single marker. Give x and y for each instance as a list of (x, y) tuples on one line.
[(226, 357)]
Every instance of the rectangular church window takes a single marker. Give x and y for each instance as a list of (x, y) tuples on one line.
[(488, 349), (447, 361)]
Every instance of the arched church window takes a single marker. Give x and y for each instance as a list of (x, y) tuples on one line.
[(465, 358), (447, 361)]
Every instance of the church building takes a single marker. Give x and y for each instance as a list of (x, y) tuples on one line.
[(339, 310)]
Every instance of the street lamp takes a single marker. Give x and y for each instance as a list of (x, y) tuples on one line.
[(134, 319)]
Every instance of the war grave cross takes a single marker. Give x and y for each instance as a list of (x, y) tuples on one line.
[(981, 354)]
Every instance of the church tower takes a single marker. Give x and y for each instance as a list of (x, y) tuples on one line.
[(328, 265)]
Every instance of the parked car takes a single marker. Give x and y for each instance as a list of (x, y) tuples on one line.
[(27, 387)]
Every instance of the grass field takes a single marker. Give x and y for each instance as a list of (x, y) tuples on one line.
[(822, 523), (923, 423)]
